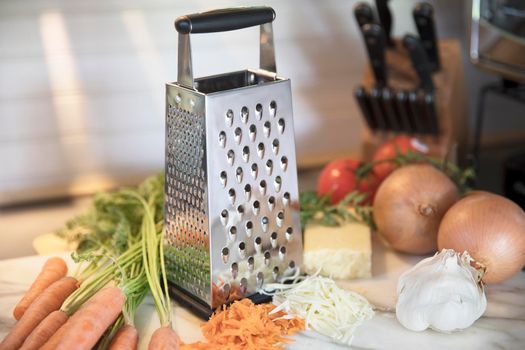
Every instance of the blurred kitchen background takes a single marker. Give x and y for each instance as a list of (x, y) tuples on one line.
[(82, 92)]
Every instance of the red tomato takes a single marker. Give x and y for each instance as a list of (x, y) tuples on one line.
[(391, 148), (338, 178)]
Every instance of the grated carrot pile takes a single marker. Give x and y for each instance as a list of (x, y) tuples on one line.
[(246, 326)]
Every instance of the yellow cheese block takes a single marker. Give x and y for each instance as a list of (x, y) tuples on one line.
[(341, 252)]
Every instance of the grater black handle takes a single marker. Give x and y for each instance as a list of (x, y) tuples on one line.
[(224, 19)]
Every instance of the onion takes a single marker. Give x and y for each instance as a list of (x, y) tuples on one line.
[(491, 229), (409, 205)]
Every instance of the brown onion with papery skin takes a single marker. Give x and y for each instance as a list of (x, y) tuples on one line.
[(491, 228), (409, 205)]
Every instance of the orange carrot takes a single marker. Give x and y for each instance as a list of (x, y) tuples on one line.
[(246, 326), (52, 343), (48, 301), (164, 338), (127, 338), (53, 270), (45, 330), (86, 326)]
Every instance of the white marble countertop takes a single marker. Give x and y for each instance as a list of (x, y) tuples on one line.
[(502, 326)]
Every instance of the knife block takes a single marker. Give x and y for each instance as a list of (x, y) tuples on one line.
[(449, 93)]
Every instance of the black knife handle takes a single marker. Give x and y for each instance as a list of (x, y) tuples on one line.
[(366, 109), (364, 14), (430, 108), (424, 18), (385, 18), (389, 107), (404, 112), (375, 45), (419, 60), (417, 115), (224, 19), (377, 110)]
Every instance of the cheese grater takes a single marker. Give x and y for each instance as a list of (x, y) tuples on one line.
[(231, 197)]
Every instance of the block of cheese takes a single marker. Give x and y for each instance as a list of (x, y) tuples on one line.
[(341, 252)]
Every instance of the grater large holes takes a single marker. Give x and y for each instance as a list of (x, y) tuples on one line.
[(264, 223), (280, 218), (252, 132), (259, 279), (262, 187), (224, 217), (277, 183), (242, 250), (235, 270), (243, 285), (289, 234), (251, 264), (246, 154), (225, 253), (280, 125), (273, 239), (286, 198), (248, 191), (230, 157), (229, 117), (256, 206), (271, 203), (249, 228), (267, 127), (231, 194), (232, 234), (267, 258), (258, 244), (275, 146), (273, 108), (255, 170), (222, 139), (237, 135), (244, 114), (240, 210), (284, 163), (275, 272), (282, 253), (258, 111), (223, 178), (260, 150), (239, 174), (226, 288), (269, 167)]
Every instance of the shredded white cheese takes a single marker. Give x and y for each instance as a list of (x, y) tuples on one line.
[(326, 308)]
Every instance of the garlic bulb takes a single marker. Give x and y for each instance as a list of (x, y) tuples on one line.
[(443, 292)]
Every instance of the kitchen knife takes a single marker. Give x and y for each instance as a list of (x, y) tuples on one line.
[(430, 111), (375, 102), (415, 111), (375, 46), (404, 112), (390, 109), (424, 18), (420, 62), (385, 18), (364, 14), (366, 109)]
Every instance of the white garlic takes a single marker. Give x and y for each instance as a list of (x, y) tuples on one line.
[(442, 292)]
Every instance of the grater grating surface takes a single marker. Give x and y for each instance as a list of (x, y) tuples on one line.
[(232, 215)]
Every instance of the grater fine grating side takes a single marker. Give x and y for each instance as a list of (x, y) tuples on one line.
[(231, 198)]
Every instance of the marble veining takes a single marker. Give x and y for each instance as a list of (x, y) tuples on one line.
[(501, 327)]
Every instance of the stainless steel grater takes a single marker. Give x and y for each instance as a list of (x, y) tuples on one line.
[(231, 198)]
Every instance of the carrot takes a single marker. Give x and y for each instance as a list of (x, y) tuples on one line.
[(53, 270), (52, 343), (164, 338), (86, 326), (45, 330), (245, 326), (126, 338), (48, 301)]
